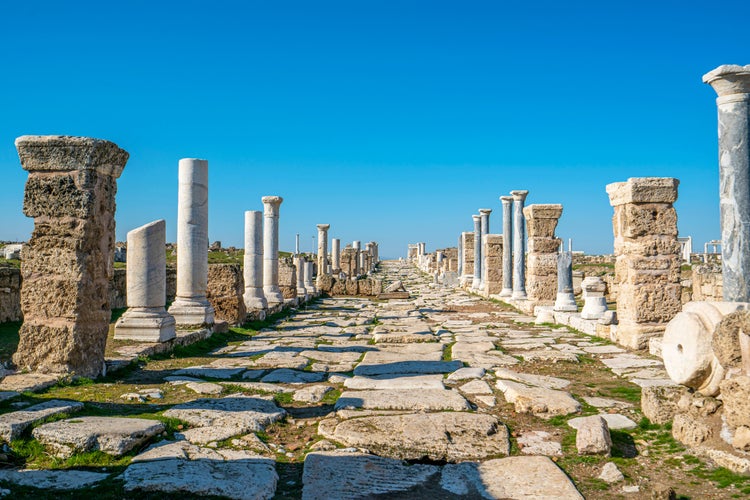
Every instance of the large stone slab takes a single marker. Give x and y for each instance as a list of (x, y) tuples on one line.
[(539, 401), (531, 379), (243, 413), (209, 372), (523, 478), (394, 399), (336, 475), (13, 424), (287, 376), (451, 436), (395, 382), (52, 479), (404, 367), (112, 435)]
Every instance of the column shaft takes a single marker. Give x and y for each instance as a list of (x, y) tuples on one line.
[(253, 261), (271, 288), (519, 246), (507, 246)]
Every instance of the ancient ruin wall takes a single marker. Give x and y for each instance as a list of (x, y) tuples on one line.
[(543, 246), (224, 291)]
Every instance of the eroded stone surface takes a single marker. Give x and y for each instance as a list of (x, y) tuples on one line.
[(14, 423), (242, 413)]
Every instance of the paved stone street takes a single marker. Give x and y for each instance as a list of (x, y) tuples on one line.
[(443, 395)]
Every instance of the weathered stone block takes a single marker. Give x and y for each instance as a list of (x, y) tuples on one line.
[(287, 278), (224, 292), (735, 393), (633, 221), (643, 190)]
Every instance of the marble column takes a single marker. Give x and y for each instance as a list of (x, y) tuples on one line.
[(484, 213), (336, 255), (357, 270), (566, 300), (190, 306), (460, 255), (323, 248), (507, 202), (477, 252), (253, 261), (271, 288), (67, 263), (732, 84), (146, 319), (309, 285), (519, 246), (301, 290)]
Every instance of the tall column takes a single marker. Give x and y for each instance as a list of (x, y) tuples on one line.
[(460, 255), (67, 263), (507, 202), (191, 307), (296, 244), (309, 285), (541, 268), (484, 213), (357, 270), (732, 84), (253, 261), (477, 252), (146, 319), (519, 246), (323, 249), (271, 250), (301, 291), (336, 255)]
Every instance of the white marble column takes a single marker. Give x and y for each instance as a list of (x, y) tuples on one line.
[(271, 288), (519, 246), (336, 255), (732, 84), (146, 319), (323, 248), (301, 290), (507, 202), (191, 307), (357, 270), (460, 255), (253, 261), (484, 213), (477, 252), (309, 284)]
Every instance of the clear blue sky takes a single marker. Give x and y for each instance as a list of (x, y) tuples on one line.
[(393, 121)]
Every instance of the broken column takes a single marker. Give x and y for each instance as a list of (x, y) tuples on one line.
[(541, 272), (565, 300), (146, 318), (191, 306), (647, 266), (507, 202), (477, 279), (336, 255), (594, 300), (253, 261), (323, 249), (67, 262), (271, 250), (732, 84), (468, 259), (519, 246)]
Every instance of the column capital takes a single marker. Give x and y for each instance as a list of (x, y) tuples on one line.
[(506, 200), (729, 79), (272, 200), (519, 195), (476, 218), (485, 211), (323, 227), (64, 153)]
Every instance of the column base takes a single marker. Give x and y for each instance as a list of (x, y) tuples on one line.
[(254, 300), (273, 295), (506, 292), (519, 295), (147, 324), (192, 312), (565, 302)]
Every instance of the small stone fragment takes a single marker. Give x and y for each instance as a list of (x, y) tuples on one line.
[(593, 436), (611, 474)]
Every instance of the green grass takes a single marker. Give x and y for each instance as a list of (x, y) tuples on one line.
[(10, 262), (8, 339), (448, 352), (283, 398), (331, 397)]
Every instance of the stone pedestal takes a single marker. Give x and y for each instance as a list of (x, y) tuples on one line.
[(253, 262), (323, 248), (271, 289), (146, 319), (67, 262), (191, 307), (732, 84), (477, 278), (467, 263), (507, 202), (647, 266), (541, 266), (594, 300), (492, 270), (519, 246), (336, 255), (565, 300)]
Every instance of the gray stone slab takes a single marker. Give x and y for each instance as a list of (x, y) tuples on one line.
[(466, 374), (209, 372), (476, 387), (539, 443), (404, 367), (603, 349), (615, 421), (539, 401), (426, 399), (31, 382), (628, 362), (13, 424), (550, 355), (287, 376), (395, 382), (332, 356), (598, 402), (531, 379), (312, 393), (52, 479), (244, 413)]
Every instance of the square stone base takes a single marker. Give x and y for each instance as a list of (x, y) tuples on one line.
[(635, 335), (147, 325), (192, 313)]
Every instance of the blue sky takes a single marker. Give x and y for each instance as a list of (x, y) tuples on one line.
[(393, 121)]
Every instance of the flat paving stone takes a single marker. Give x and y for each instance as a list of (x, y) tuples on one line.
[(603, 349), (208, 372), (52, 479), (204, 387), (31, 382), (550, 355), (243, 413), (391, 381), (451, 436), (466, 374), (312, 393), (615, 421), (332, 356), (394, 399), (14, 423), (539, 443), (407, 366), (476, 387), (111, 435), (286, 376), (531, 379), (539, 401), (598, 402)]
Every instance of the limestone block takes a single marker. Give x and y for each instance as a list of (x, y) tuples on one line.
[(287, 278), (593, 436), (643, 190), (735, 393), (637, 270), (352, 287), (634, 221), (690, 430), (725, 341), (647, 246), (339, 287), (541, 220), (543, 245), (225, 289), (325, 283), (67, 263), (10, 294), (648, 303), (659, 403), (365, 287)]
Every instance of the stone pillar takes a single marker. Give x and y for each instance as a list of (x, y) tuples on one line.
[(146, 319), (566, 300), (594, 301), (253, 261), (477, 279), (323, 248), (460, 255), (336, 255), (309, 285), (356, 270), (647, 266), (468, 259), (507, 202), (541, 221), (296, 244), (67, 262), (484, 213), (519, 246), (492, 270), (732, 84), (301, 290), (191, 306), (271, 250)]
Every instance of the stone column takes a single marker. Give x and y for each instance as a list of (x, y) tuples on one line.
[(323, 248), (732, 84), (309, 285), (460, 255), (67, 262), (356, 269), (594, 301), (271, 250), (191, 306), (468, 259), (647, 265), (146, 319), (507, 290), (253, 261), (566, 300), (477, 280), (336, 255), (519, 246), (301, 290), (541, 221), (484, 213)]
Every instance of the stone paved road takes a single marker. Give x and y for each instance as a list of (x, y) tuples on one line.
[(444, 395)]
